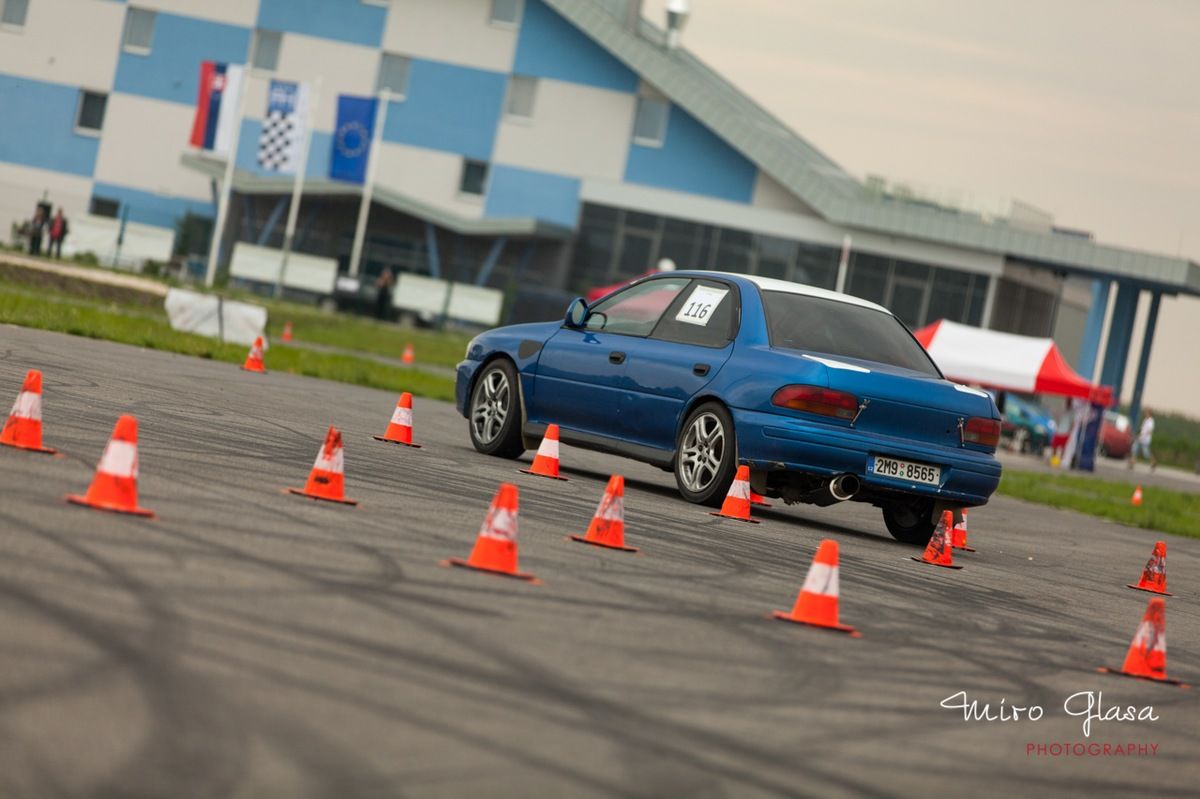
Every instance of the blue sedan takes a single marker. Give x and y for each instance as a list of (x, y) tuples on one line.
[(826, 397)]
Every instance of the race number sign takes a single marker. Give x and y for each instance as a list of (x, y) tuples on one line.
[(698, 308)]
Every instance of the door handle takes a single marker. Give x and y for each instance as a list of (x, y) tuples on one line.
[(616, 357), (700, 369)]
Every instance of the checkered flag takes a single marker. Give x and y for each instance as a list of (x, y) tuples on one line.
[(283, 128)]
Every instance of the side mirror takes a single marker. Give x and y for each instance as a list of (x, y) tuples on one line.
[(577, 313)]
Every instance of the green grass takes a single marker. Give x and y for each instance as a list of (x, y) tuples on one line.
[(313, 325), (1162, 509), (146, 328)]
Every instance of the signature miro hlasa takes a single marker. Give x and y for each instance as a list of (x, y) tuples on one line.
[(1086, 704)]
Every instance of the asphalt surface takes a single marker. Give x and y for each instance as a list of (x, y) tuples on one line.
[(250, 643)]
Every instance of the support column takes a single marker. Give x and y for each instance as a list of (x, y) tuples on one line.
[(1120, 330), (1135, 405), (1093, 328), (431, 249)]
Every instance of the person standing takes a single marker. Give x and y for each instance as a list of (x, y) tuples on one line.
[(36, 230), (383, 296), (58, 231), (1141, 445)]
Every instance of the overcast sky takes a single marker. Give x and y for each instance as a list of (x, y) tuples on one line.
[(1089, 109)]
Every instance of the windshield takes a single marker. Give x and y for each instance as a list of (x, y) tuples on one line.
[(831, 327)]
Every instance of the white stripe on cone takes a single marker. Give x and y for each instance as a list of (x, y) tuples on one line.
[(549, 448), (28, 406), (740, 490), (500, 524), (822, 579), (119, 459), (611, 508), (335, 462), (402, 416), (1152, 639)]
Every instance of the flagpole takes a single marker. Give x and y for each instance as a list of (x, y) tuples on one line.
[(364, 210), (289, 232), (214, 249), (843, 265)]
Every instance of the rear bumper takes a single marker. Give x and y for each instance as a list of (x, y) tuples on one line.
[(777, 443)]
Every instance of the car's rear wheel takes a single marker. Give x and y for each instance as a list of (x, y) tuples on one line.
[(909, 522), (495, 411), (706, 455)]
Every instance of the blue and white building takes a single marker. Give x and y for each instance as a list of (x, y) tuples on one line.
[(541, 147)]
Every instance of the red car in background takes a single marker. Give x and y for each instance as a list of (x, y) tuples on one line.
[(1116, 435)]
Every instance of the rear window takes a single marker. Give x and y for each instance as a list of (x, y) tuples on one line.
[(831, 327)]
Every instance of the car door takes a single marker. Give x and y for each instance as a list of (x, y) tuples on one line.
[(582, 382), (690, 344)]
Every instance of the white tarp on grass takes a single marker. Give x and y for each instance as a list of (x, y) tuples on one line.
[(210, 315)]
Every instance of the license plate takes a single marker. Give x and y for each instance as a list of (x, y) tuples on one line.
[(906, 470)]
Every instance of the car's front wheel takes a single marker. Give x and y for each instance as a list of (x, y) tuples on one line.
[(495, 411), (909, 522), (706, 455)]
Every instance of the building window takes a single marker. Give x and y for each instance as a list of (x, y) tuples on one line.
[(506, 12), (89, 115), (521, 93), (104, 206), (266, 50), (474, 177), (393, 75), (139, 31), (12, 13), (650, 125)]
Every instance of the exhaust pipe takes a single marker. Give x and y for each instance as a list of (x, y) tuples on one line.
[(844, 486), (839, 489)]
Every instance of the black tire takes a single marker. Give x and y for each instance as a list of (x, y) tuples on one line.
[(910, 522), (704, 483), (496, 391)]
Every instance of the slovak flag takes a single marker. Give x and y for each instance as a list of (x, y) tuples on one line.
[(216, 106)]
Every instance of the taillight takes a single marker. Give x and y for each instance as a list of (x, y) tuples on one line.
[(985, 432), (815, 399)]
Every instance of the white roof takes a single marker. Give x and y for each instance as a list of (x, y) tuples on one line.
[(786, 286)]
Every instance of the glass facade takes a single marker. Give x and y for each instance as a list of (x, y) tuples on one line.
[(1023, 309), (917, 293), (616, 244)]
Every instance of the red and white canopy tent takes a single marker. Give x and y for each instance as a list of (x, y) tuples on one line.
[(1005, 361)]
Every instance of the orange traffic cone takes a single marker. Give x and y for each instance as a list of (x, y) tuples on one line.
[(287, 332), (737, 501), (399, 429), (545, 463), (958, 536), (254, 360), (608, 523), (1147, 656), (817, 602), (114, 486), (327, 480), (408, 357), (1136, 499), (496, 546), (1154, 576), (758, 500), (23, 429), (938, 551)]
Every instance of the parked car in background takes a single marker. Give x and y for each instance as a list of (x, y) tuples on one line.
[(1030, 426), (826, 397), (1116, 435)]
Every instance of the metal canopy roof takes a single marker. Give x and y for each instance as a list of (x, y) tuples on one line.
[(830, 190), (249, 183)]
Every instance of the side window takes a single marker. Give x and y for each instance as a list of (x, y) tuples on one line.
[(636, 310), (706, 313)]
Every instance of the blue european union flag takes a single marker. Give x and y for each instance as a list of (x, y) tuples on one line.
[(352, 138)]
